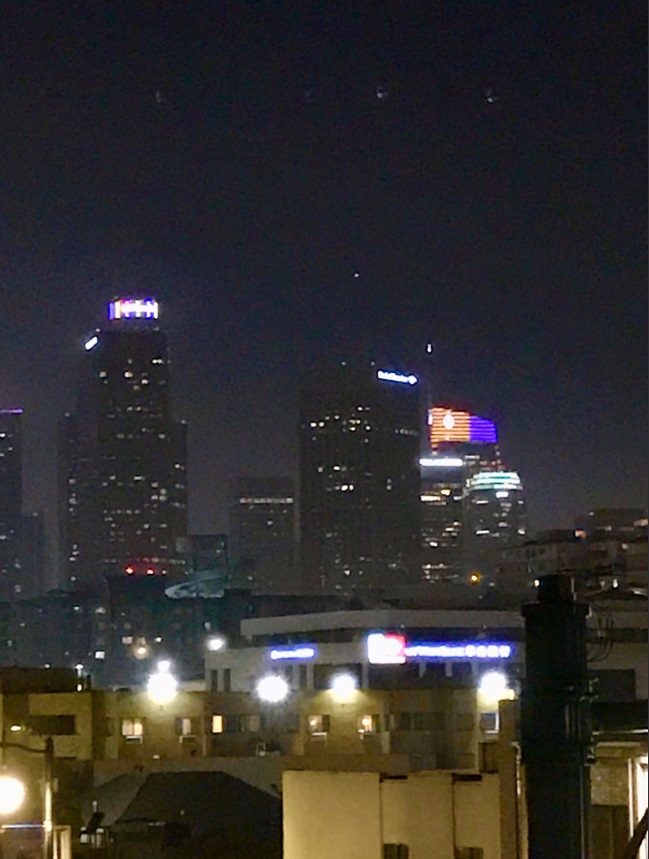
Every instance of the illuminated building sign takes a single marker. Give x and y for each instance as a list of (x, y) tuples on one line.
[(454, 425), (292, 653), (91, 343), (133, 308), (389, 648), (389, 376), (441, 462), (386, 648), (500, 481), (470, 650)]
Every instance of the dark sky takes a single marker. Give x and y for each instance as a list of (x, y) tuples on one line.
[(492, 202)]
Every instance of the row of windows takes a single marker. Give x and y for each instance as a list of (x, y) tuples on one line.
[(318, 723)]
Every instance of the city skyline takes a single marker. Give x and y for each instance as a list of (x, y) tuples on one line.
[(338, 186)]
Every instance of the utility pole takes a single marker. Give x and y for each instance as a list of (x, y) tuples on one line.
[(556, 729)]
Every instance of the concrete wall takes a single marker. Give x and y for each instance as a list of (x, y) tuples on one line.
[(329, 814), (352, 815)]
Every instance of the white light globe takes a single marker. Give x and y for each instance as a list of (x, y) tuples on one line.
[(215, 643), (162, 687), (343, 685), (494, 685), (12, 794), (272, 688)]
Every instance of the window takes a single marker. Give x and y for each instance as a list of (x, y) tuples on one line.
[(368, 724), (318, 724), (250, 724), (395, 851), (226, 680), (239, 724), (186, 726), (133, 729), (488, 721), (401, 722), (302, 678)]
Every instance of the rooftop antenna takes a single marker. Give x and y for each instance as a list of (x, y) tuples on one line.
[(428, 394)]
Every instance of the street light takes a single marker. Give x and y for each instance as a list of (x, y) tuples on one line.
[(12, 794), (12, 791), (162, 686), (343, 685), (495, 685), (272, 688), (215, 643)]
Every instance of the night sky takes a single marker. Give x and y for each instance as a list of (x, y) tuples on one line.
[(304, 181)]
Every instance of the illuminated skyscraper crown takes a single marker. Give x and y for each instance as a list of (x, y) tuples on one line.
[(133, 308), (449, 425)]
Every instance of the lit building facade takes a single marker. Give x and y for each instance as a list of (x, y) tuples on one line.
[(442, 518), (11, 501), (495, 518), (123, 459), (262, 533), (471, 507), (359, 480)]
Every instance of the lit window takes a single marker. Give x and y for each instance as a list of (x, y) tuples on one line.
[(132, 728), (185, 727), (368, 724), (218, 725), (318, 724)]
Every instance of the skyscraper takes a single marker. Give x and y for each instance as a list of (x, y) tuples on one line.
[(262, 532), (123, 460), (359, 479), (11, 501), (457, 433), (471, 507), (442, 518), (495, 519)]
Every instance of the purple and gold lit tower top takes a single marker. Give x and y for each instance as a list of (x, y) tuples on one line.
[(452, 425)]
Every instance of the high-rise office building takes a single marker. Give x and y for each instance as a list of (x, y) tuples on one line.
[(457, 433), (471, 507), (11, 502), (123, 460), (359, 480), (34, 582), (262, 533), (495, 519), (442, 518)]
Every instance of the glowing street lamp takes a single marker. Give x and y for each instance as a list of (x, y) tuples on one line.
[(343, 685), (12, 794), (272, 688), (494, 687), (12, 791), (162, 687), (215, 643)]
